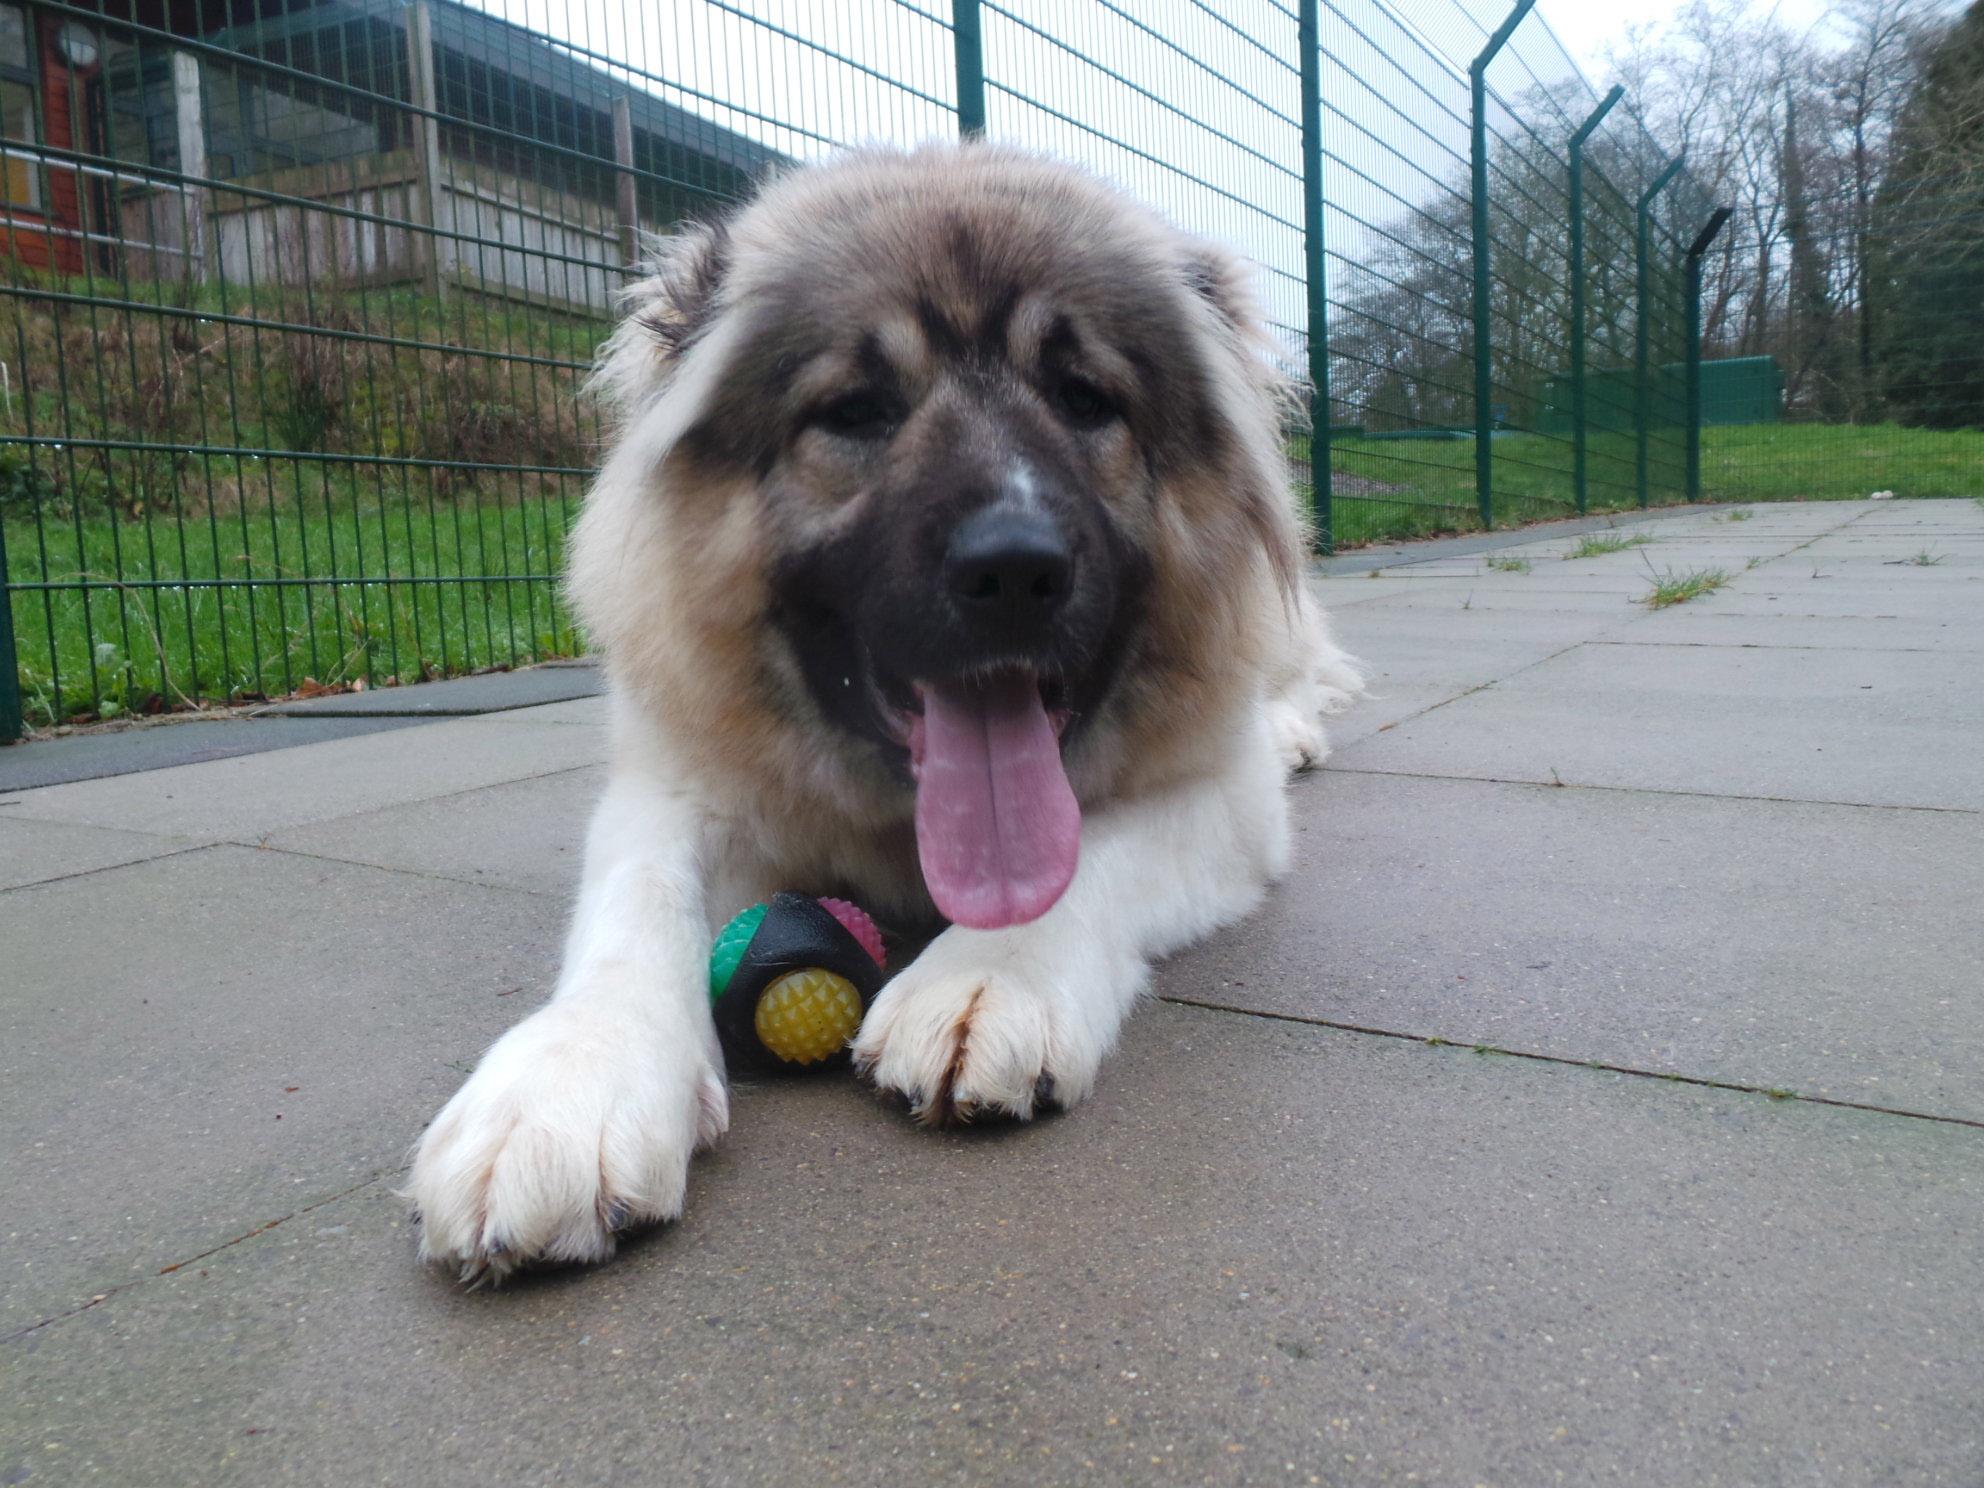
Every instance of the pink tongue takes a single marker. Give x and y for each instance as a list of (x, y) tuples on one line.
[(997, 825)]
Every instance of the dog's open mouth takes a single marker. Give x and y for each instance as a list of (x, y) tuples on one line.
[(997, 825)]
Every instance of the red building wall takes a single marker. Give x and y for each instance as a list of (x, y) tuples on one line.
[(61, 192)]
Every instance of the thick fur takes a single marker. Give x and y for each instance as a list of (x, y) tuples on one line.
[(738, 768)]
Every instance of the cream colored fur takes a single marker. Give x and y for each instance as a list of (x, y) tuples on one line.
[(582, 1119)]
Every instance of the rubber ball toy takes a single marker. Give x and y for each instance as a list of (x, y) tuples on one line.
[(790, 980)]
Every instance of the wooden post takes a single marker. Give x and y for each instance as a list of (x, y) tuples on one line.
[(439, 252), (192, 130), (628, 187)]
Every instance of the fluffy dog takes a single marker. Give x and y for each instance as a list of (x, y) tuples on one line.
[(944, 557)]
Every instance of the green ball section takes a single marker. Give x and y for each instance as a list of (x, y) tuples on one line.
[(731, 944)]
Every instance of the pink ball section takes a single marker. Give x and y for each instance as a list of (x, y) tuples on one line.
[(858, 925)]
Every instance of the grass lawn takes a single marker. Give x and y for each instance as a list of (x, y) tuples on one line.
[(1392, 489), (1839, 462), (209, 496), (137, 646)]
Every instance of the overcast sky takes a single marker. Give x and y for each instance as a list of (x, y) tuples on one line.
[(1192, 104), (1587, 27)]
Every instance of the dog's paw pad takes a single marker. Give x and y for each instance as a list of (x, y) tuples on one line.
[(1299, 741), (964, 1046), (556, 1144)]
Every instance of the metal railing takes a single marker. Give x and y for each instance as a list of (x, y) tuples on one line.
[(299, 292)]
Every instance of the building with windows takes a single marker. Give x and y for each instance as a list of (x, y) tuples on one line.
[(368, 140)]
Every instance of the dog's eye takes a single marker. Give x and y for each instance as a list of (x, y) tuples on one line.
[(1082, 403), (858, 416)]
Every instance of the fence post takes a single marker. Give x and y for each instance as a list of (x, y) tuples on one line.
[(1579, 481), (627, 189), (10, 661), (191, 129), (427, 137), (1484, 384), (968, 49), (1642, 291), (1316, 272), (1695, 251)]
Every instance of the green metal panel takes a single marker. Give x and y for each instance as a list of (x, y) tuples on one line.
[(1484, 387), (1742, 390), (1315, 275), (1580, 411), (10, 670), (1696, 249), (968, 54), (296, 405), (1643, 327)]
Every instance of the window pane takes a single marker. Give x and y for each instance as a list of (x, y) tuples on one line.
[(19, 170), (13, 36)]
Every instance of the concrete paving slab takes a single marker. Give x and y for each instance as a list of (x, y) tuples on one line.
[(1953, 531), (193, 1047), (1770, 944), (1697, 549), (1691, 625), (528, 834), (1869, 727), (1380, 555), (1266, 1253), (1545, 575), (1853, 569), (1791, 588), (588, 711), (488, 692), (1764, 546), (34, 851), (59, 759), (1385, 708), (245, 799), (1491, 593), (1416, 658)]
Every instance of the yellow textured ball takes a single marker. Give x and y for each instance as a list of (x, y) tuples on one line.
[(805, 1016)]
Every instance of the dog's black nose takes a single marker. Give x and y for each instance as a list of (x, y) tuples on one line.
[(1008, 565)]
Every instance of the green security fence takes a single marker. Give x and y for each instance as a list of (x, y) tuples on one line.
[(299, 293)]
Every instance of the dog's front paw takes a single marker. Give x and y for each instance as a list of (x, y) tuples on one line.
[(569, 1130), (972, 1028), (1299, 740)]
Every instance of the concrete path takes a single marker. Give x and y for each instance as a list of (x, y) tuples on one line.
[(1602, 1099)]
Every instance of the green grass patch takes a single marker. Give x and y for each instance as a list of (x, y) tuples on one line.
[(1671, 588), (1839, 462), (1387, 490), (1509, 565), (1741, 514), (234, 606), (1597, 544), (213, 495)]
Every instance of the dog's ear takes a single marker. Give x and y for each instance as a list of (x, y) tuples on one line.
[(1216, 277), (678, 301), (1225, 282), (1276, 401), (666, 312)]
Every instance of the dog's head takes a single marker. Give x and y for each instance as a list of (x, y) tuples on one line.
[(993, 453)]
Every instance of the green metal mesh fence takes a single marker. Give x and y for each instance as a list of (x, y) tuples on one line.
[(1844, 346), (298, 294)]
